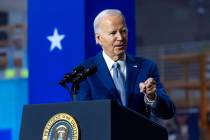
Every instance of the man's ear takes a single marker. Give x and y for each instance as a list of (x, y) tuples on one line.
[(97, 38)]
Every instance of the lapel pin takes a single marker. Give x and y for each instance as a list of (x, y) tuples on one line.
[(135, 66)]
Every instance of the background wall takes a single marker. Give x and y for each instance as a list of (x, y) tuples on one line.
[(13, 66)]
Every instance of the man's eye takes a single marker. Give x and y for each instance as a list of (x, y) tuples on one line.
[(113, 33), (124, 31)]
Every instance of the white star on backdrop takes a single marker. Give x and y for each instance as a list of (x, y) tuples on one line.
[(55, 40)]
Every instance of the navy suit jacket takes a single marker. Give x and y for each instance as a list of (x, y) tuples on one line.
[(101, 86)]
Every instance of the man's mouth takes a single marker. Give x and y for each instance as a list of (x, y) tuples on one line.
[(121, 46)]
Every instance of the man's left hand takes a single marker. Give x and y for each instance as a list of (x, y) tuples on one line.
[(148, 88)]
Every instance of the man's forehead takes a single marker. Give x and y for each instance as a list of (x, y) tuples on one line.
[(111, 17), (111, 20)]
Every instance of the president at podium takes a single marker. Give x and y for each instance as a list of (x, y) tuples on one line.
[(132, 81)]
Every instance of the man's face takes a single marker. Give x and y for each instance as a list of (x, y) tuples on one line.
[(113, 36)]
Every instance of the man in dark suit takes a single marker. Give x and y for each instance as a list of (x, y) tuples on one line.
[(132, 81)]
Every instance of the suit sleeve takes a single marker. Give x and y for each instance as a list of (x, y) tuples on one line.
[(164, 107)]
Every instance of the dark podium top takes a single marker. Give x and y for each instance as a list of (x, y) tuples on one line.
[(98, 120)]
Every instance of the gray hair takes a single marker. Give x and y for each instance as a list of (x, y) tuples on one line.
[(104, 13)]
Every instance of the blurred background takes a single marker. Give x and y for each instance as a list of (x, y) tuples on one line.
[(175, 34)]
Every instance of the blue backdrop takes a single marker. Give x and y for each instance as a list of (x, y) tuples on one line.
[(47, 66)]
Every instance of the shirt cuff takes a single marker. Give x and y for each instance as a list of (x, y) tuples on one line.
[(152, 103)]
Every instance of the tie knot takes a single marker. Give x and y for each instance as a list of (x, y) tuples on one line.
[(116, 65)]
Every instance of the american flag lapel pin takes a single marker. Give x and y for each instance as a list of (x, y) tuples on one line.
[(135, 66)]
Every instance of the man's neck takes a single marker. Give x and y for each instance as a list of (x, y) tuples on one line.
[(116, 58)]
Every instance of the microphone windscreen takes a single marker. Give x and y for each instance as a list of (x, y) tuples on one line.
[(78, 69), (91, 70)]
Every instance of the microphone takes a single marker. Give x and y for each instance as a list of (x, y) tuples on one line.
[(64, 85), (70, 76), (75, 77), (90, 71), (83, 75)]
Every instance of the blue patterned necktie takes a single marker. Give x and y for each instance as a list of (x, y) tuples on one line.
[(119, 82)]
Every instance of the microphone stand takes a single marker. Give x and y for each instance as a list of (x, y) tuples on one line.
[(74, 88)]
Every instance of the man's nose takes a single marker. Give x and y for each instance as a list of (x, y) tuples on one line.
[(119, 36)]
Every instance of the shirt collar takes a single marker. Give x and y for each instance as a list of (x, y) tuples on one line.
[(110, 62)]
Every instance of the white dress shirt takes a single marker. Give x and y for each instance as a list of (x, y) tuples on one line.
[(110, 62)]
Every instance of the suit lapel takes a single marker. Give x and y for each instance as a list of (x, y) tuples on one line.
[(103, 73), (132, 70)]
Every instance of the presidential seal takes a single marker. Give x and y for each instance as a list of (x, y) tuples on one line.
[(61, 126)]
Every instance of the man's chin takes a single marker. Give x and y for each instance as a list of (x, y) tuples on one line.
[(120, 54)]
